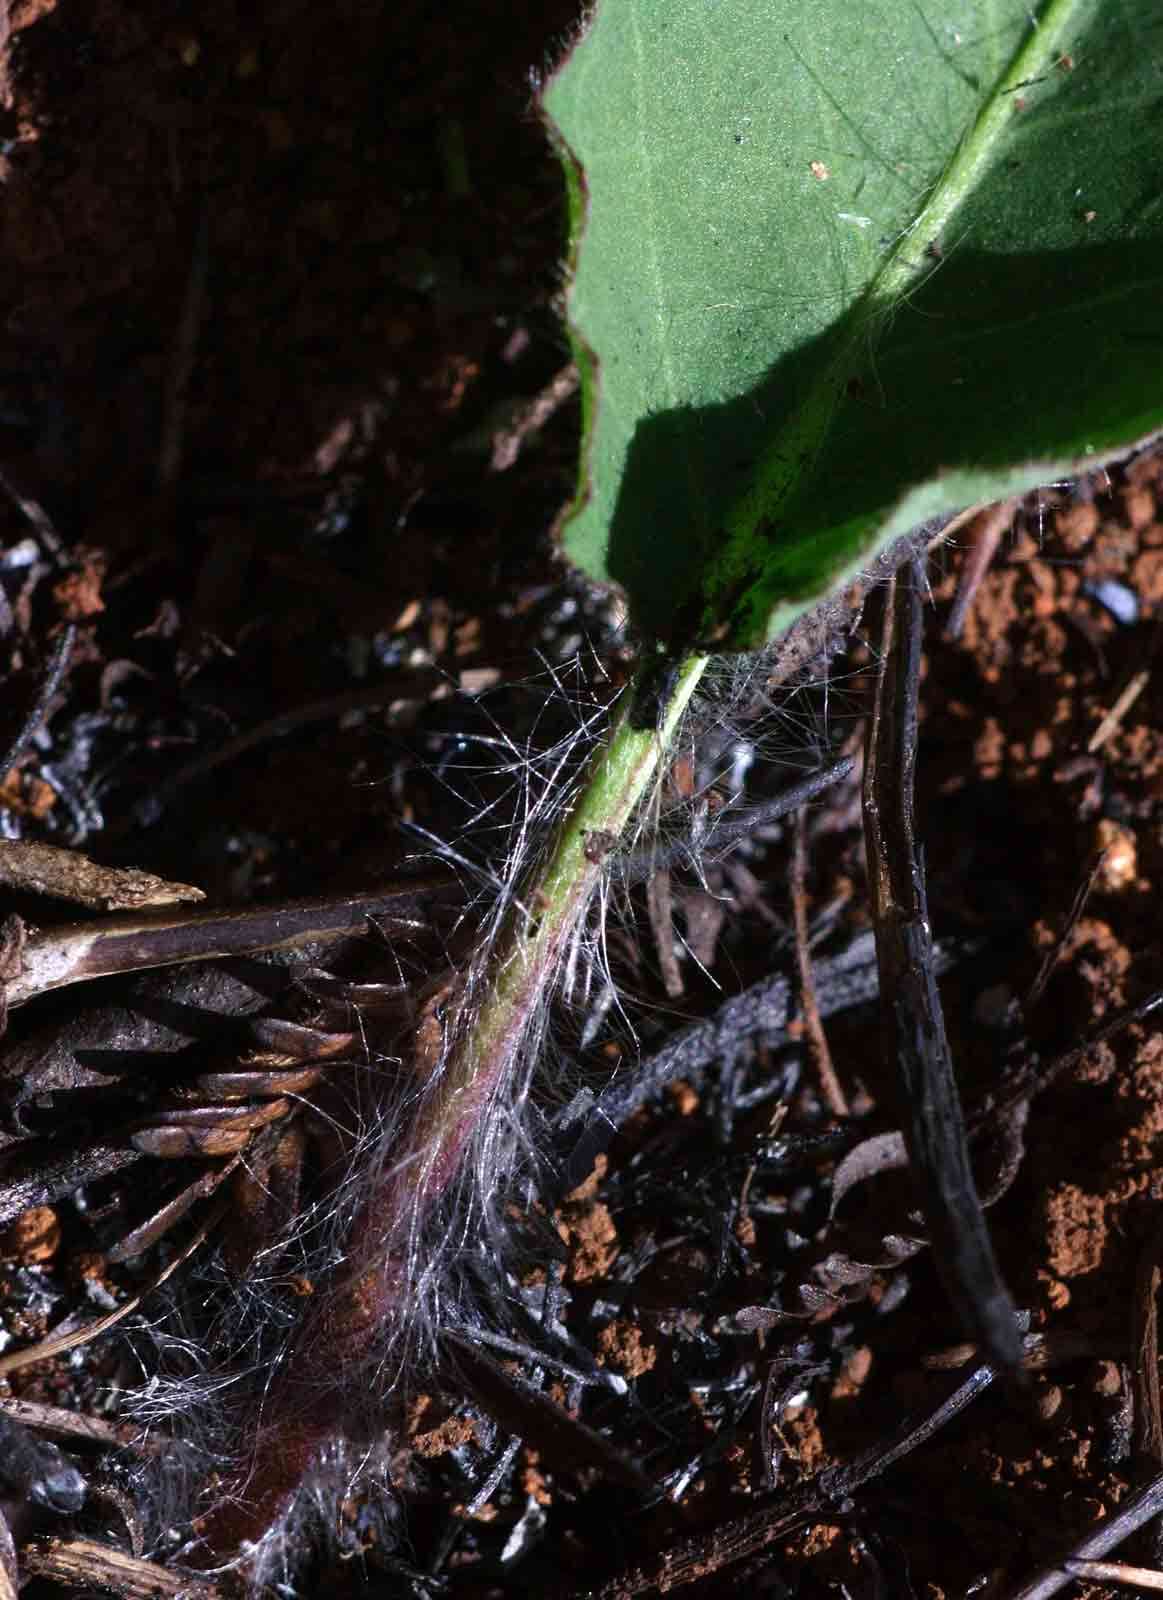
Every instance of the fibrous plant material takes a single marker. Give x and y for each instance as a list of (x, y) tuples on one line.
[(455, 1139), (449, 1249), (421, 1182), (88, 1562), (693, 1559), (30, 867), (436, 1160)]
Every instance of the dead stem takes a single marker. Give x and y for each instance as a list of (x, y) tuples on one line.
[(1145, 1350), (830, 1087), (1116, 1572), (818, 1500), (1054, 954), (547, 1427), (135, 942), (916, 1047), (509, 440), (1118, 1525), (732, 825), (983, 536), (660, 908), (89, 1563)]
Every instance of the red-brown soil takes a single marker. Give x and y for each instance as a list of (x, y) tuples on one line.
[(271, 283)]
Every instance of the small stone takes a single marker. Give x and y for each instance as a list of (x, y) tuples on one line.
[(1078, 524), (1048, 1402), (1057, 1294), (1107, 1380), (1120, 867), (33, 1238), (1139, 507)]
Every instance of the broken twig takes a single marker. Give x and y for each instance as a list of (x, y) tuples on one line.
[(136, 942), (983, 536), (818, 1500), (830, 1087), (1119, 1525), (915, 1040)]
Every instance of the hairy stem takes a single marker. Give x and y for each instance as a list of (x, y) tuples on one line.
[(349, 1317), (538, 931)]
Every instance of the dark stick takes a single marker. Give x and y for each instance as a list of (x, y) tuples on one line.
[(1054, 954), (53, 673), (1145, 1351), (135, 941), (759, 1013), (829, 1084), (38, 1177), (527, 1413), (1140, 1508), (820, 1499), (915, 1039), (182, 361)]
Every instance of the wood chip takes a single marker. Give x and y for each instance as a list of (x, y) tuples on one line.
[(91, 1565), (34, 868)]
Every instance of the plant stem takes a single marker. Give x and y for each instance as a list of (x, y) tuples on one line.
[(540, 927), (348, 1318)]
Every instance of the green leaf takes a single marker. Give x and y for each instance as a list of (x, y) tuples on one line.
[(837, 268)]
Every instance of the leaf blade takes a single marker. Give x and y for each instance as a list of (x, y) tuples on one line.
[(818, 247)]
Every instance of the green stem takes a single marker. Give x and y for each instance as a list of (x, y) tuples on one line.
[(346, 1321), (530, 948)]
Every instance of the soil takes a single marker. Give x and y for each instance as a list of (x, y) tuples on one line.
[(274, 286)]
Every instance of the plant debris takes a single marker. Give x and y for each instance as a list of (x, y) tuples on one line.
[(279, 616)]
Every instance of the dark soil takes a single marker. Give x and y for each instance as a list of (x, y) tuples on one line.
[(272, 286)]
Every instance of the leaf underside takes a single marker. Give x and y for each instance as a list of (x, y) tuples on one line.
[(836, 269)]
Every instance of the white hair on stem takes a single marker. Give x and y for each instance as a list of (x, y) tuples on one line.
[(434, 1147)]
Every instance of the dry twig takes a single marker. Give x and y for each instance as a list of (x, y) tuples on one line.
[(819, 1500), (1054, 954), (915, 1040), (30, 867), (830, 1087), (983, 536), (1141, 1508), (137, 942), (88, 1564), (1115, 1572), (1145, 1350)]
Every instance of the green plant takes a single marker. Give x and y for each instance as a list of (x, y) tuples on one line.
[(832, 273), (827, 280), (836, 270)]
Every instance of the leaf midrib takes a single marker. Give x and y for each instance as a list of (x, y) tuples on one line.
[(802, 437)]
